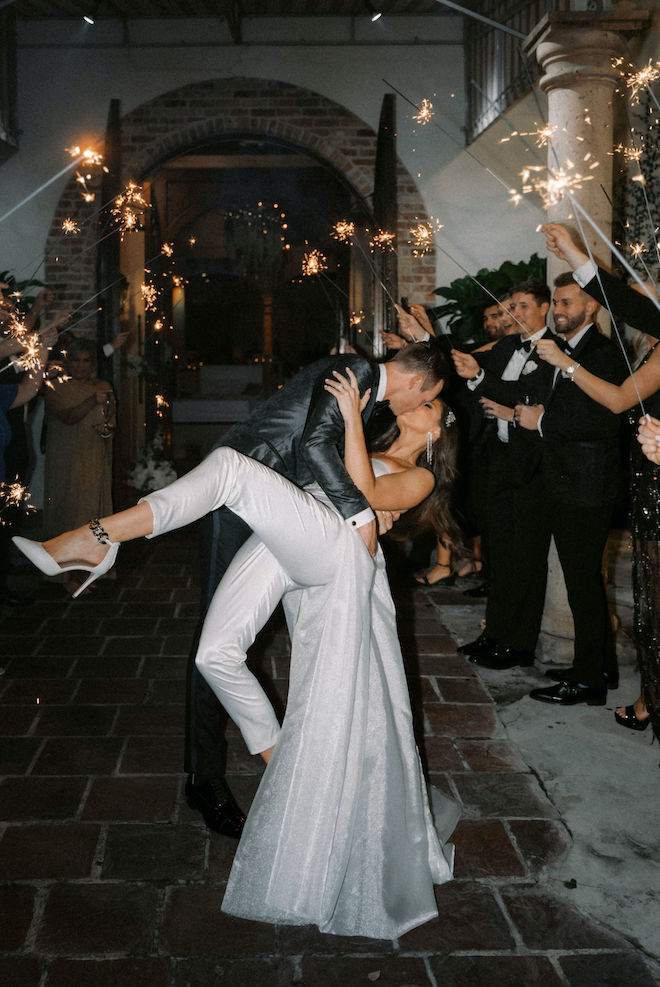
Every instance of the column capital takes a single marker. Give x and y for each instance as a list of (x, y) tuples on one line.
[(578, 46)]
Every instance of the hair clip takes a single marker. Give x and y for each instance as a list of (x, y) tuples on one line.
[(450, 417)]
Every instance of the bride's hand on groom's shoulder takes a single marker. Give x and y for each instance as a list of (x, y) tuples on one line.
[(347, 392)]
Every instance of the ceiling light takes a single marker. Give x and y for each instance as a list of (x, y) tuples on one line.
[(374, 12), (91, 15)]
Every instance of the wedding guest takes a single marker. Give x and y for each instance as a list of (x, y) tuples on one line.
[(580, 471), (80, 422), (642, 386), (517, 528)]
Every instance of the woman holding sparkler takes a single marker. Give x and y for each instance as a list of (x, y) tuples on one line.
[(642, 385), (80, 421), (340, 833)]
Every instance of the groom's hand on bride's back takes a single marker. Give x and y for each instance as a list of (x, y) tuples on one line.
[(369, 535)]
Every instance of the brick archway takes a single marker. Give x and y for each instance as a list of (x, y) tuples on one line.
[(178, 120)]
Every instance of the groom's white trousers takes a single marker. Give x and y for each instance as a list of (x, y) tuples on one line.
[(297, 542)]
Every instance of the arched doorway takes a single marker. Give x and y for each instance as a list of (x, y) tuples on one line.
[(228, 118)]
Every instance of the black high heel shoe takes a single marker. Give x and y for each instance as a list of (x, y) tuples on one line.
[(445, 581), (631, 719)]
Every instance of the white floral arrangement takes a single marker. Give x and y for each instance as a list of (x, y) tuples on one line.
[(152, 471), (530, 367), (137, 366)]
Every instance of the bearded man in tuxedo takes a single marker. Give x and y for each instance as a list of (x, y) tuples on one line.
[(298, 432)]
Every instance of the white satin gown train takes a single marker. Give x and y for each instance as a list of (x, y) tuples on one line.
[(340, 832)]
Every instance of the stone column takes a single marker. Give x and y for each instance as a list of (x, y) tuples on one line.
[(576, 50)]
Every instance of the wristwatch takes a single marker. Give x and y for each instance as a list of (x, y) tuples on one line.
[(570, 371)]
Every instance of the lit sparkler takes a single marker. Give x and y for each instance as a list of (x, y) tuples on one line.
[(382, 240), (629, 153), (70, 226), (314, 263), (553, 188), (149, 296), (161, 405), (542, 134), (426, 111), (167, 249), (635, 81), (343, 231), (14, 495), (128, 210), (423, 234), (30, 358)]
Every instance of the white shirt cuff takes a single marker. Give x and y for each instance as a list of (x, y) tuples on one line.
[(538, 424), (359, 520), (585, 273), (108, 349), (474, 383)]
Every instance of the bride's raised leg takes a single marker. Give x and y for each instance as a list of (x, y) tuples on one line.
[(301, 532)]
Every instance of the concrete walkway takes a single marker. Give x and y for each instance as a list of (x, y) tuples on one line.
[(107, 878)]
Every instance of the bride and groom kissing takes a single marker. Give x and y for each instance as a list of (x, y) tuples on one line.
[(340, 832)]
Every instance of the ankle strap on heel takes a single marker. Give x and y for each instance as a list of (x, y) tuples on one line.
[(99, 532)]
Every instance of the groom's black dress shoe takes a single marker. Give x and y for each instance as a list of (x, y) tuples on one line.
[(570, 694), (217, 804), (482, 645), (561, 673), (503, 657)]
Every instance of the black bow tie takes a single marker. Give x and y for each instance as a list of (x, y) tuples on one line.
[(524, 344)]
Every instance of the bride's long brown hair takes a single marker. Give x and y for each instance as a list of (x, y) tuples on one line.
[(435, 511)]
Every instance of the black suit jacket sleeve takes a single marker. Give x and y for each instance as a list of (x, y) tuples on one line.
[(637, 310), (574, 417), (323, 438)]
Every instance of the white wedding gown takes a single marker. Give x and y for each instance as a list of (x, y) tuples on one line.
[(340, 832)]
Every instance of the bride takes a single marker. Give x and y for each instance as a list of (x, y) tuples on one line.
[(340, 833)]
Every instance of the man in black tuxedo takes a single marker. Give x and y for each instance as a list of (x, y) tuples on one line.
[(580, 470), (298, 432), (518, 533)]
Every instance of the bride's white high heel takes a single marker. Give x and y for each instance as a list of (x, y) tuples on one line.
[(45, 562)]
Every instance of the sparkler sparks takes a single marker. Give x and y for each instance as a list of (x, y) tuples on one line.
[(70, 226), (635, 81), (382, 240), (542, 134), (422, 234), (637, 249), (14, 495), (343, 231), (167, 249), (426, 111), (554, 187), (629, 153), (149, 296), (162, 404), (314, 263), (30, 358), (88, 156), (128, 210)]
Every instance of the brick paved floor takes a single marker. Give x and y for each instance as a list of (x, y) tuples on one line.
[(108, 878)]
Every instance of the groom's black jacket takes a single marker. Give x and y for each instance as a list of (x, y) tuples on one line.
[(299, 431)]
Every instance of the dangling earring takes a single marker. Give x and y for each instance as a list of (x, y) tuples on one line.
[(429, 448)]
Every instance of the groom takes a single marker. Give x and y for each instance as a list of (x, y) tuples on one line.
[(298, 432)]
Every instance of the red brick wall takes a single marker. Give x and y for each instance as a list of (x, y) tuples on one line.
[(175, 121)]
